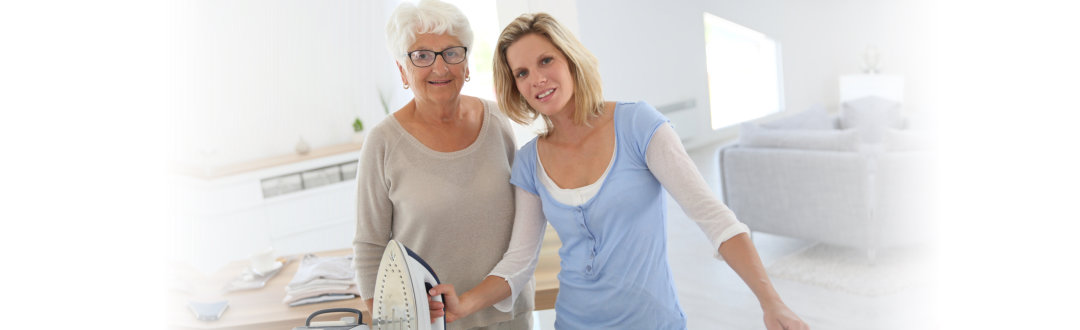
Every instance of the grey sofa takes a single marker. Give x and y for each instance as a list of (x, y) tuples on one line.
[(820, 177)]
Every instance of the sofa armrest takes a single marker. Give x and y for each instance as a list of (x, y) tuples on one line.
[(799, 193), (906, 201)]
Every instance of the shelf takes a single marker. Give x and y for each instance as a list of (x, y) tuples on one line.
[(210, 173)]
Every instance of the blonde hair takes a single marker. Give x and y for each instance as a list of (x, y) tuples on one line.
[(428, 16), (588, 96)]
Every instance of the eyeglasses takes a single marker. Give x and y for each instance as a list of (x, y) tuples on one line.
[(425, 58)]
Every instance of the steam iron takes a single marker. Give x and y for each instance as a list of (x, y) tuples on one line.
[(401, 286), (346, 323)]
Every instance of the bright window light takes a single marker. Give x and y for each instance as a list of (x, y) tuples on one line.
[(485, 24), (744, 72)]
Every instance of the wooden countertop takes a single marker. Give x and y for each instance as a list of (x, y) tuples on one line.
[(547, 271), (263, 308)]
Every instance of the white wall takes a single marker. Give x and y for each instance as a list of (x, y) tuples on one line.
[(257, 75), (654, 50), (563, 10)]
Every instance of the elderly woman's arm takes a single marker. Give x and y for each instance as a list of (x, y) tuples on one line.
[(374, 214), (669, 162), (512, 274)]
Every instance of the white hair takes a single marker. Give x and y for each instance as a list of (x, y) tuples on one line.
[(428, 16)]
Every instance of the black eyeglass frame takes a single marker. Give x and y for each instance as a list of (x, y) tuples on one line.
[(465, 55)]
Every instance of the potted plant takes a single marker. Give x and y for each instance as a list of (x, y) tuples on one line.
[(358, 130)]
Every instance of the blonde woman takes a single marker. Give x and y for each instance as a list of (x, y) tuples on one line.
[(597, 175)]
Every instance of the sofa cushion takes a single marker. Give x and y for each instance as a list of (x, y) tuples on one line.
[(814, 118), (870, 115), (755, 136)]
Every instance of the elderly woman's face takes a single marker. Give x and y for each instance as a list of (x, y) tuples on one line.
[(439, 81)]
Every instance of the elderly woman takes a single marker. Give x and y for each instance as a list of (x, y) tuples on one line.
[(439, 167), (598, 175)]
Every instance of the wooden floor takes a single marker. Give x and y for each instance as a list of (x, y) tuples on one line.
[(713, 297)]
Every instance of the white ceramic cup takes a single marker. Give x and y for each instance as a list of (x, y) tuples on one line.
[(263, 261)]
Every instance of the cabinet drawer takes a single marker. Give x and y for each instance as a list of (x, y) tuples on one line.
[(332, 237), (310, 209)]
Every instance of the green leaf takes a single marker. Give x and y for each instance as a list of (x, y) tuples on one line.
[(358, 125)]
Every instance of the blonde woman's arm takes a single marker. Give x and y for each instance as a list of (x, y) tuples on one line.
[(512, 274), (672, 166)]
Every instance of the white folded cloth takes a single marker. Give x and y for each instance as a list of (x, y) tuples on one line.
[(315, 267), (322, 298), (321, 279)]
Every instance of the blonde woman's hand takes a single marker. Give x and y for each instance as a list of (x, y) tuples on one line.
[(451, 305), (779, 317)]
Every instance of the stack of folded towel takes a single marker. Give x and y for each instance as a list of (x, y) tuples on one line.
[(320, 279)]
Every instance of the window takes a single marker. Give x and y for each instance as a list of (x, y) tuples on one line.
[(484, 21), (744, 72)]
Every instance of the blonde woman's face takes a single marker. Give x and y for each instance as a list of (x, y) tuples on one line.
[(439, 82), (542, 75)]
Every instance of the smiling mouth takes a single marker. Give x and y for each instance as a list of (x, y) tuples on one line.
[(546, 93), (439, 82)]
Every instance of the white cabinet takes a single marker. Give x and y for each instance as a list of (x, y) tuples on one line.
[(290, 218), (295, 204)]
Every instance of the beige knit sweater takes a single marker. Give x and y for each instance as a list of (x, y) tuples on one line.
[(454, 209)]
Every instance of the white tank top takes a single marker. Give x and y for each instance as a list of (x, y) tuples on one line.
[(572, 196)]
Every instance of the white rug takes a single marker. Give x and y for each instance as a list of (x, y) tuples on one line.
[(851, 270)]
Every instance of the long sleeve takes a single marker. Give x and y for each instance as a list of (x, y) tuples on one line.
[(374, 214), (454, 209), (519, 261), (672, 166)]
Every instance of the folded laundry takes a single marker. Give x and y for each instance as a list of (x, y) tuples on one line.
[(322, 298), (314, 267), (294, 296), (319, 282), (320, 279)]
